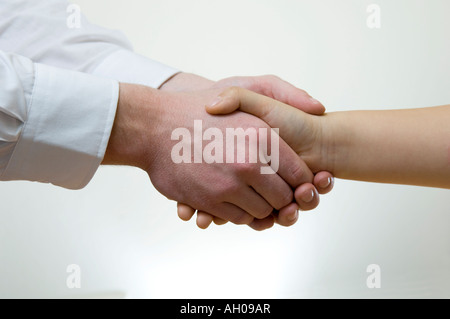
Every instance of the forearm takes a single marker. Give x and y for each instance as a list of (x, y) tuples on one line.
[(395, 146)]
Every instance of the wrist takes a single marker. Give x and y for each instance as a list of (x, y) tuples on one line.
[(333, 143), (322, 151), (130, 142)]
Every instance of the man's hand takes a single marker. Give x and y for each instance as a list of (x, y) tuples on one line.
[(277, 89), (238, 192)]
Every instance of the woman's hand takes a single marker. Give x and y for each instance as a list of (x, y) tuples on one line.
[(301, 131)]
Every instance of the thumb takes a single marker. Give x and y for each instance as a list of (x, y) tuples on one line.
[(274, 113), (278, 89)]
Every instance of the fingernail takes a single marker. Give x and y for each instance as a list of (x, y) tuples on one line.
[(216, 101), (294, 216), (325, 183), (308, 196), (314, 101)]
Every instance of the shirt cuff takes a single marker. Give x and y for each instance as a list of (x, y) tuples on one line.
[(64, 139), (129, 67)]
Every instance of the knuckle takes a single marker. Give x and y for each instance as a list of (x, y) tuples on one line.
[(230, 190), (232, 91), (246, 168), (297, 173)]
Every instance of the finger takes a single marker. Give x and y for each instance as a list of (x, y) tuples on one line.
[(262, 224), (273, 189), (287, 216), (185, 212), (324, 182), (306, 197), (274, 113), (286, 163), (280, 90), (219, 221), (232, 213), (292, 168), (204, 219), (250, 201)]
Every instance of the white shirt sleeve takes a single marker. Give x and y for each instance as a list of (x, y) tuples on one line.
[(54, 124), (50, 32)]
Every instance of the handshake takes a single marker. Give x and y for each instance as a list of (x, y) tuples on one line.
[(255, 150)]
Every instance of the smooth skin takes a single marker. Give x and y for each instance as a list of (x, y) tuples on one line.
[(407, 146)]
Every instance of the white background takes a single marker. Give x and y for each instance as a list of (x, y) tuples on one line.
[(126, 237)]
